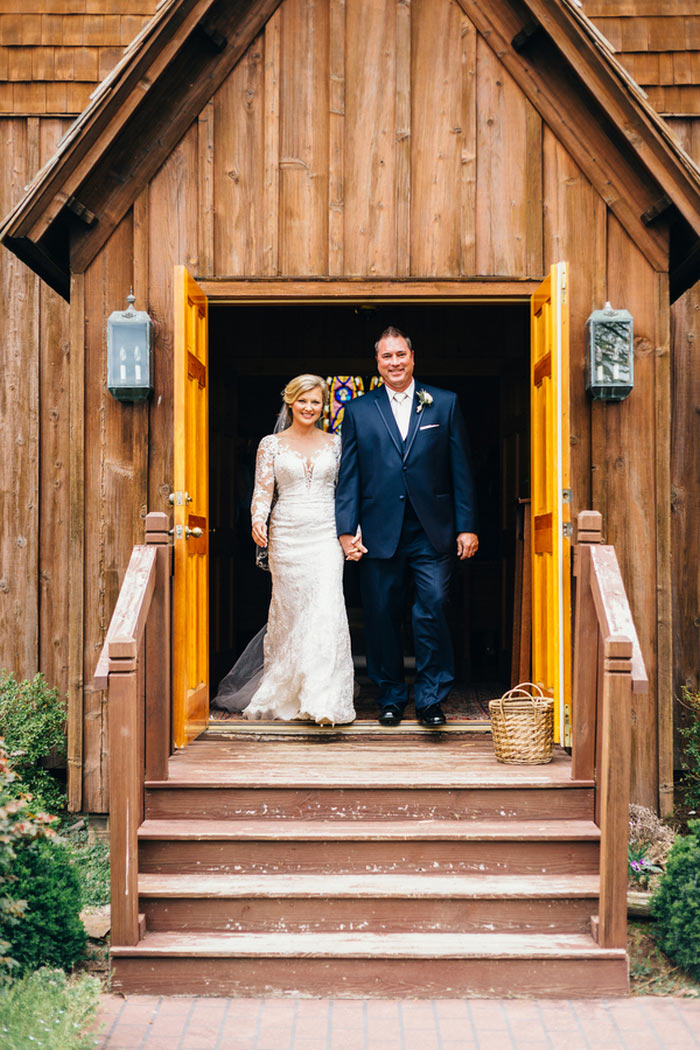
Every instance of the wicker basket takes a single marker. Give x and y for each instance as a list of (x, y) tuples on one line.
[(522, 726)]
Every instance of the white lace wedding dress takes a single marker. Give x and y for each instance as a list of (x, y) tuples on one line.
[(308, 671)]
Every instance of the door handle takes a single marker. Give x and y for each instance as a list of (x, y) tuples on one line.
[(177, 532)]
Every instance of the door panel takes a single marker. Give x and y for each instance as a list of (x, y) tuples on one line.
[(191, 512), (551, 496)]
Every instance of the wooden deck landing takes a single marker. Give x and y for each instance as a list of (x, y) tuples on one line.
[(431, 759)]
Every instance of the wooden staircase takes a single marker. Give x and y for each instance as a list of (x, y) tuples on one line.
[(371, 862), (375, 866)]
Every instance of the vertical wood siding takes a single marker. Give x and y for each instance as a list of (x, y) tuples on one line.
[(372, 138), (34, 398), (116, 449), (54, 462), (575, 229), (442, 140), (19, 422), (625, 483), (685, 468)]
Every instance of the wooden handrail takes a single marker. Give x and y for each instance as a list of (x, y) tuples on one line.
[(129, 617), (134, 667), (612, 607), (608, 668)]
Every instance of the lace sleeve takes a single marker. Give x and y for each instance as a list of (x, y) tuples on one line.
[(264, 481)]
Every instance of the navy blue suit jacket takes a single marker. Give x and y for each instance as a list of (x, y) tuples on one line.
[(379, 472)]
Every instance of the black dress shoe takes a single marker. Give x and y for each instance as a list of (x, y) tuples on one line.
[(432, 716), (390, 715)]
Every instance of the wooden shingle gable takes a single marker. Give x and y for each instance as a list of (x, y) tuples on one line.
[(134, 121), (619, 141), (658, 41), (559, 60)]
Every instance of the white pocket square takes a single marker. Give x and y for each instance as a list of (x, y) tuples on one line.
[(430, 426)]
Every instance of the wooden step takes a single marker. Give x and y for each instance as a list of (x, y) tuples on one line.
[(369, 902), (381, 830), (432, 965), (172, 800), (555, 846), (437, 778)]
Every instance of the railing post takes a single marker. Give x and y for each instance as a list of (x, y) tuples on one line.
[(585, 673), (614, 789), (158, 653), (126, 785)]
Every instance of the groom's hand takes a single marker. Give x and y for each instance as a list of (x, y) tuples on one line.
[(353, 548), (467, 545)]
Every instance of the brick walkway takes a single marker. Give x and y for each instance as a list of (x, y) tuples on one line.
[(151, 1023)]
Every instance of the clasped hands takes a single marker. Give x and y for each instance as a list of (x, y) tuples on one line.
[(353, 548)]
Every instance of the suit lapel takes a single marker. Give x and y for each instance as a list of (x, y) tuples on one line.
[(382, 403), (412, 424)]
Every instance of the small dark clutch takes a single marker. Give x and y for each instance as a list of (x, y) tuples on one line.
[(261, 553), (262, 558)]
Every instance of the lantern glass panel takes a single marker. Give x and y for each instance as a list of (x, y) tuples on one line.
[(611, 347), (610, 374), (129, 372)]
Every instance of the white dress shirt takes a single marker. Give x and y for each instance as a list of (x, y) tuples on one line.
[(401, 405)]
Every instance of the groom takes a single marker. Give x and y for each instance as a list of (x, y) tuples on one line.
[(405, 480)]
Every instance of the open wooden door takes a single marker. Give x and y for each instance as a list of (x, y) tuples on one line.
[(190, 500), (551, 496)]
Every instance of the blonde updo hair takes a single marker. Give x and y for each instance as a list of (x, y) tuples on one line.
[(293, 391), (301, 385)]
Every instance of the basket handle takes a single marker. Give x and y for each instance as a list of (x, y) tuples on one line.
[(520, 692), (523, 686)]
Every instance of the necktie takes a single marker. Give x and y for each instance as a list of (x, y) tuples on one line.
[(399, 402)]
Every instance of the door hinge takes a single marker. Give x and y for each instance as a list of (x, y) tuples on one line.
[(566, 495), (179, 499), (567, 529)]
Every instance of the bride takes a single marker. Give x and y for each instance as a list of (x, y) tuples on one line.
[(307, 671)]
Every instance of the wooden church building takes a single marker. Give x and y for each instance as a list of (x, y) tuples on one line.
[(278, 180)]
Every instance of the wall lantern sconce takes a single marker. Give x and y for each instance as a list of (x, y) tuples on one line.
[(610, 373), (129, 353)]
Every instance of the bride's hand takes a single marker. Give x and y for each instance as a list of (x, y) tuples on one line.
[(260, 534)]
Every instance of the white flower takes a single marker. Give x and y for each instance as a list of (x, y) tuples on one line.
[(424, 399)]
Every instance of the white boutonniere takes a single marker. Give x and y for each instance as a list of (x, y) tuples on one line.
[(424, 400)]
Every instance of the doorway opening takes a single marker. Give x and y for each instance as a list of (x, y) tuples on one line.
[(480, 351)]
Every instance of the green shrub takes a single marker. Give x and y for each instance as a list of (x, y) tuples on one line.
[(676, 903), (32, 723), (18, 826), (46, 1011), (91, 861), (50, 932), (690, 758)]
